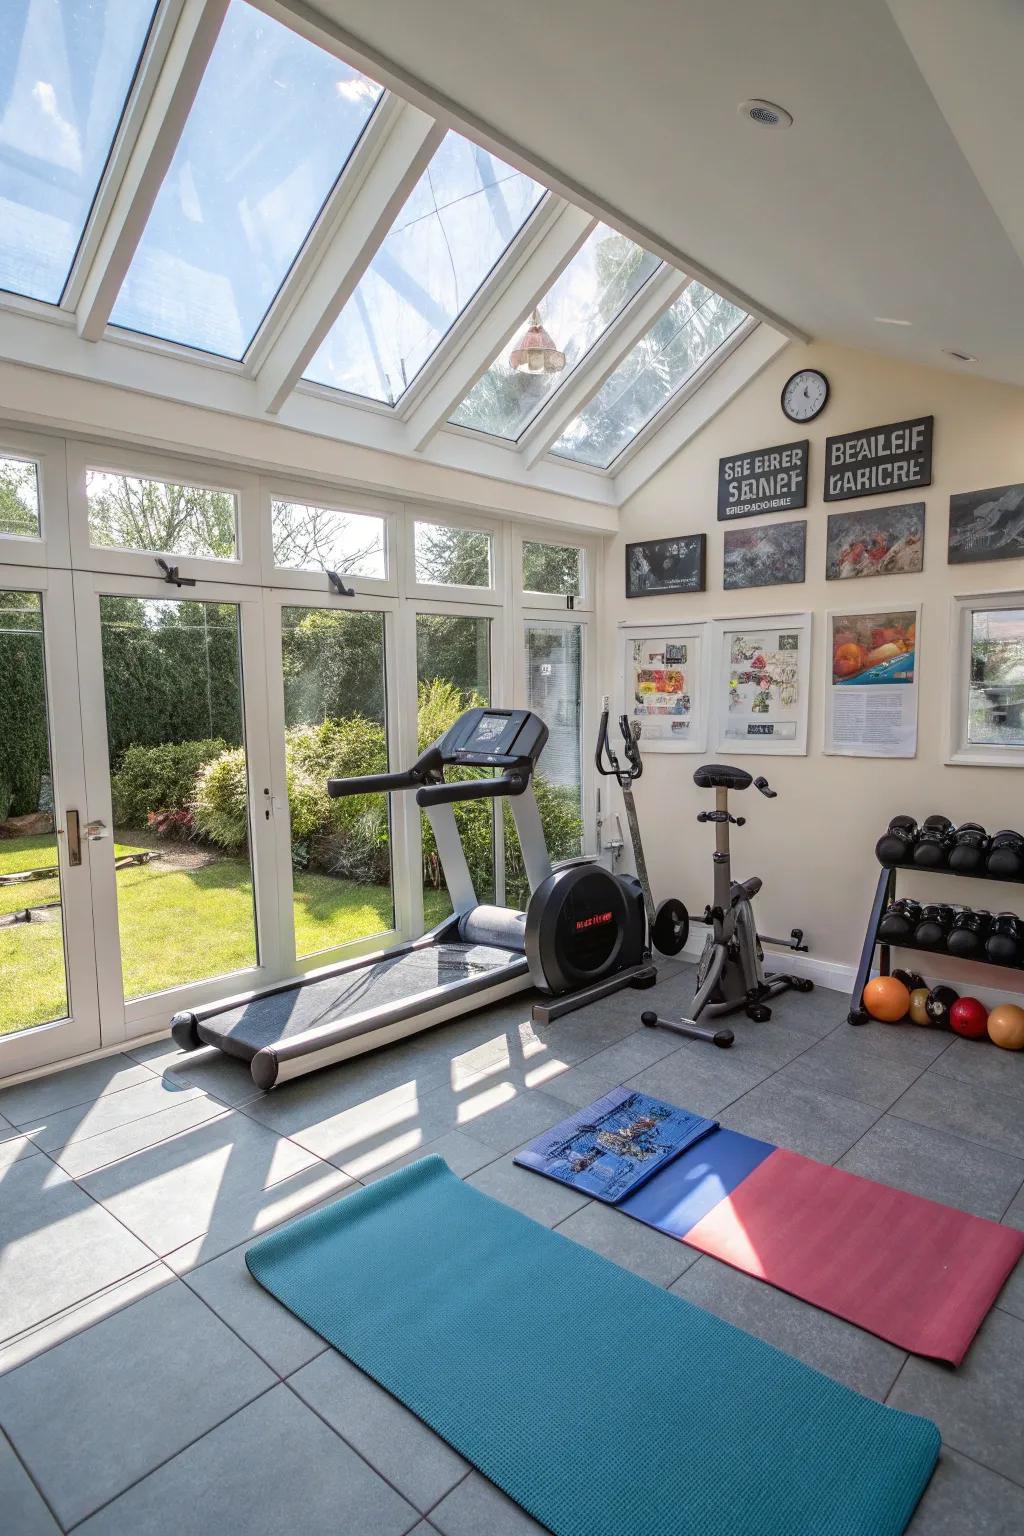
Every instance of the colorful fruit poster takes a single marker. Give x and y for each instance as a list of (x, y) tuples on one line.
[(663, 687), (871, 708), (763, 670)]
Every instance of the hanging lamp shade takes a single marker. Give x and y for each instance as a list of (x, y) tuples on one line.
[(535, 352)]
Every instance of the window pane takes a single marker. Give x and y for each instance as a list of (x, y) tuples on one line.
[(335, 727), (996, 704), (246, 184), (660, 363), (311, 538), (453, 673), (127, 512), (33, 982), (452, 557), (172, 677), (552, 568), (461, 216), (66, 67), (19, 498), (606, 272)]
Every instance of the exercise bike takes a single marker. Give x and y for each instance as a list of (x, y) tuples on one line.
[(730, 972), (669, 924)]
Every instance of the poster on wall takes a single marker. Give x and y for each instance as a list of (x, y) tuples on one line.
[(897, 457), (768, 556), (762, 677), (767, 480), (871, 699), (883, 541), (664, 687), (986, 525), (666, 565)]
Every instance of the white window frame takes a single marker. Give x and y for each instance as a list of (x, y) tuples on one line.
[(51, 548), (439, 592), (589, 711), (330, 499), (959, 751), (563, 539)]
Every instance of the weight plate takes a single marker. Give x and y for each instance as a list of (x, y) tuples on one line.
[(671, 927)]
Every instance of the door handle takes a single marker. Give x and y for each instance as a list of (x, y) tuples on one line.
[(72, 831)]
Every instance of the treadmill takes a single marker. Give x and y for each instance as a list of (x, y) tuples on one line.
[(476, 956)]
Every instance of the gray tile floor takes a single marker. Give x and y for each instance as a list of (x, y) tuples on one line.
[(148, 1385)]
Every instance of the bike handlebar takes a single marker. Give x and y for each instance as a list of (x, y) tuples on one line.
[(624, 776), (765, 788)]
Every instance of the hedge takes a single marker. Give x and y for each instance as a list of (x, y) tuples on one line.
[(151, 780)]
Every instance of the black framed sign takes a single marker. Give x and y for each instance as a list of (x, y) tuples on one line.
[(666, 565), (765, 480), (896, 457), (986, 525)]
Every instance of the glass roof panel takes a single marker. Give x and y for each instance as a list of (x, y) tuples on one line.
[(459, 219), (66, 68), (245, 186), (607, 271), (649, 375)]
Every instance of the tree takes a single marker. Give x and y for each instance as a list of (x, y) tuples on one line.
[(19, 498), (24, 731), (127, 512), (310, 538)]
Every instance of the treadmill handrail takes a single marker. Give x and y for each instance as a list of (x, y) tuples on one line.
[(428, 767), (513, 782)]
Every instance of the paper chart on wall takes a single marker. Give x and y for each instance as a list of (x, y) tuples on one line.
[(663, 687), (762, 685), (871, 708)]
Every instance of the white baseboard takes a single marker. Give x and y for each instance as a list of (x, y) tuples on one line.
[(125, 1047)]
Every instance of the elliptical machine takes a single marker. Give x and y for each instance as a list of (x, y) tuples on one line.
[(730, 972)]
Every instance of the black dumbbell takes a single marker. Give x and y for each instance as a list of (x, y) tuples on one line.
[(968, 934), (1005, 944), (1006, 856), (897, 844), (934, 927), (934, 840), (970, 845), (899, 921)]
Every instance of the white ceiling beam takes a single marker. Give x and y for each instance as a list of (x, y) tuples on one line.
[(360, 211), (508, 296), (147, 160), (657, 295)]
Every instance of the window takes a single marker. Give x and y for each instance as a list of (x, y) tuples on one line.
[(66, 68), (552, 568), (247, 182), (605, 274), (452, 557), (462, 215), (129, 512), (312, 538), (660, 364), (988, 679), (19, 498)]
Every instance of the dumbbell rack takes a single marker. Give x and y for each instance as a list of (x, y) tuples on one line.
[(885, 894)]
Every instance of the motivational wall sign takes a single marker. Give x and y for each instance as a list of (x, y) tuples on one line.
[(893, 458), (766, 480)]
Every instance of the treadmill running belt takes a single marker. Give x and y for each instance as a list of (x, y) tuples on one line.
[(244, 1030)]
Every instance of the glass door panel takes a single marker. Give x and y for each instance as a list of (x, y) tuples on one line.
[(335, 726)]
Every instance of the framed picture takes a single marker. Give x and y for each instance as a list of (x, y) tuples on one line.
[(665, 685), (772, 556), (666, 565), (986, 525), (878, 541), (872, 687), (762, 671)]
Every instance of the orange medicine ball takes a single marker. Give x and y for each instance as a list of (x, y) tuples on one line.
[(1006, 1026), (887, 999)]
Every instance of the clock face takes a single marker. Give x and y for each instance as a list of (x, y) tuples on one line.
[(804, 395)]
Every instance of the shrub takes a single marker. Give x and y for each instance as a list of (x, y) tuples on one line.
[(153, 779), (178, 826), (221, 804)]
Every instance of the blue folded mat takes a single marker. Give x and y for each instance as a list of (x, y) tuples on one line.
[(600, 1403)]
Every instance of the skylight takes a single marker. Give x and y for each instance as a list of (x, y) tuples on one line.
[(66, 68), (607, 271), (460, 218), (649, 375), (270, 131)]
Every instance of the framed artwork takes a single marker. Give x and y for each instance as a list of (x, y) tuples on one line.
[(665, 685), (871, 693), (666, 565), (762, 673), (986, 525), (878, 541), (771, 556)]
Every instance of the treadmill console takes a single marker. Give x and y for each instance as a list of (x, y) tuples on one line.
[(495, 738)]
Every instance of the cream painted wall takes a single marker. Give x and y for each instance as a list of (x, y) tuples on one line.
[(813, 846)]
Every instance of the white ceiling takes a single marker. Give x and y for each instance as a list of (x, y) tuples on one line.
[(899, 190)]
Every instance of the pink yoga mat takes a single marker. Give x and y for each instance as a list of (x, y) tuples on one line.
[(914, 1272)]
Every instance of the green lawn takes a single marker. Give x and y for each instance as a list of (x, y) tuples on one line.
[(177, 925)]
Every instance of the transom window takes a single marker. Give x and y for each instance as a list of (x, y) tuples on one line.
[(552, 568), (312, 538), (19, 498), (452, 557), (130, 512)]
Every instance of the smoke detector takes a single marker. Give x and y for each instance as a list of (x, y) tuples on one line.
[(766, 114)]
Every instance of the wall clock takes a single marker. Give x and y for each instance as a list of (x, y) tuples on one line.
[(805, 395)]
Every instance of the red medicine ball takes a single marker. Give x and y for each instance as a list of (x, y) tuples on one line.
[(969, 1017)]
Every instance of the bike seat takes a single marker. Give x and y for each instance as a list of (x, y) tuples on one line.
[(722, 776)]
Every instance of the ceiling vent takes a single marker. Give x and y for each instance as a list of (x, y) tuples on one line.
[(766, 114)]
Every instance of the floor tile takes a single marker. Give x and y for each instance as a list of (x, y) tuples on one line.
[(931, 1163), (224, 1077), (979, 1407), (394, 1441), (34, 1341), (308, 1101), (15, 1149), (908, 1043), (24, 1510), (28, 1102), (383, 1127), (259, 1319), (81, 1157), (506, 1123), (462, 1154), (1011, 1297), (980, 1062), (1014, 1216), (966, 1109), (541, 1199), (58, 1246), (109, 1113), (703, 1082), (964, 1499), (607, 1231), (832, 1346), (91, 1416), (795, 1115), (597, 1075), (274, 1469), (476, 1507), (849, 1066)]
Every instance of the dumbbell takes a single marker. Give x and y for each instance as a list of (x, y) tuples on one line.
[(899, 921), (1005, 944), (934, 840), (934, 926), (1006, 856), (897, 844), (970, 845), (967, 936)]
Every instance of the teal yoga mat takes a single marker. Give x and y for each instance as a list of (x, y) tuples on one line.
[(599, 1402)]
